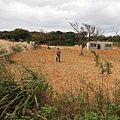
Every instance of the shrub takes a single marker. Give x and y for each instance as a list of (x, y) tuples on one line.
[(26, 95), (22, 96), (13, 47), (3, 51), (17, 48)]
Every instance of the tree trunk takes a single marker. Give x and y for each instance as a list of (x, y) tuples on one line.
[(48, 46), (81, 51)]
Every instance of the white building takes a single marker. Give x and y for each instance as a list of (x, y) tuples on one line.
[(92, 45)]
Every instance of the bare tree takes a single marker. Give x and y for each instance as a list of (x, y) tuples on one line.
[(117, 36), (116, 31), (93, 32), (86, 33), (82, 35)]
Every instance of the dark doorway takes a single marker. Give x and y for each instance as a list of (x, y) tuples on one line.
[(98, 46)]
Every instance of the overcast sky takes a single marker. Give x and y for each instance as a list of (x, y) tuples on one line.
[(53, 15)]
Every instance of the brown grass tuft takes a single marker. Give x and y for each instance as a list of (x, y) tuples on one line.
[(10, 46)]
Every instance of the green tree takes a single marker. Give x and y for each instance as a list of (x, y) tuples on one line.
[(20, 34), (45, 37), (35, 36), (5, 35)]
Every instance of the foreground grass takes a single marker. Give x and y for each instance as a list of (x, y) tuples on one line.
[(29, 97)]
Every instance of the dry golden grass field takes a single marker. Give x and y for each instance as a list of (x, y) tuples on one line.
[(66, 75)]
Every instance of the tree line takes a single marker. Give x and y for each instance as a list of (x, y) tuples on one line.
[(41, 37), (58, 37)]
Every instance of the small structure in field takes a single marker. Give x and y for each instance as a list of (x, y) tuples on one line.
[(92, 45), (32, 43)]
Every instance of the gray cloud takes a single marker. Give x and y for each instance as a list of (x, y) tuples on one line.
[(50, 15)]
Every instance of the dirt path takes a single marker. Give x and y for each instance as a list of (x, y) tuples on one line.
[(67, 74)]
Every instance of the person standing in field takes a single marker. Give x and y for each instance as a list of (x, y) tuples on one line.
[(58, 52)]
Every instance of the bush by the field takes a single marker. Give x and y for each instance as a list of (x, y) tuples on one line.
[(13, 47)]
